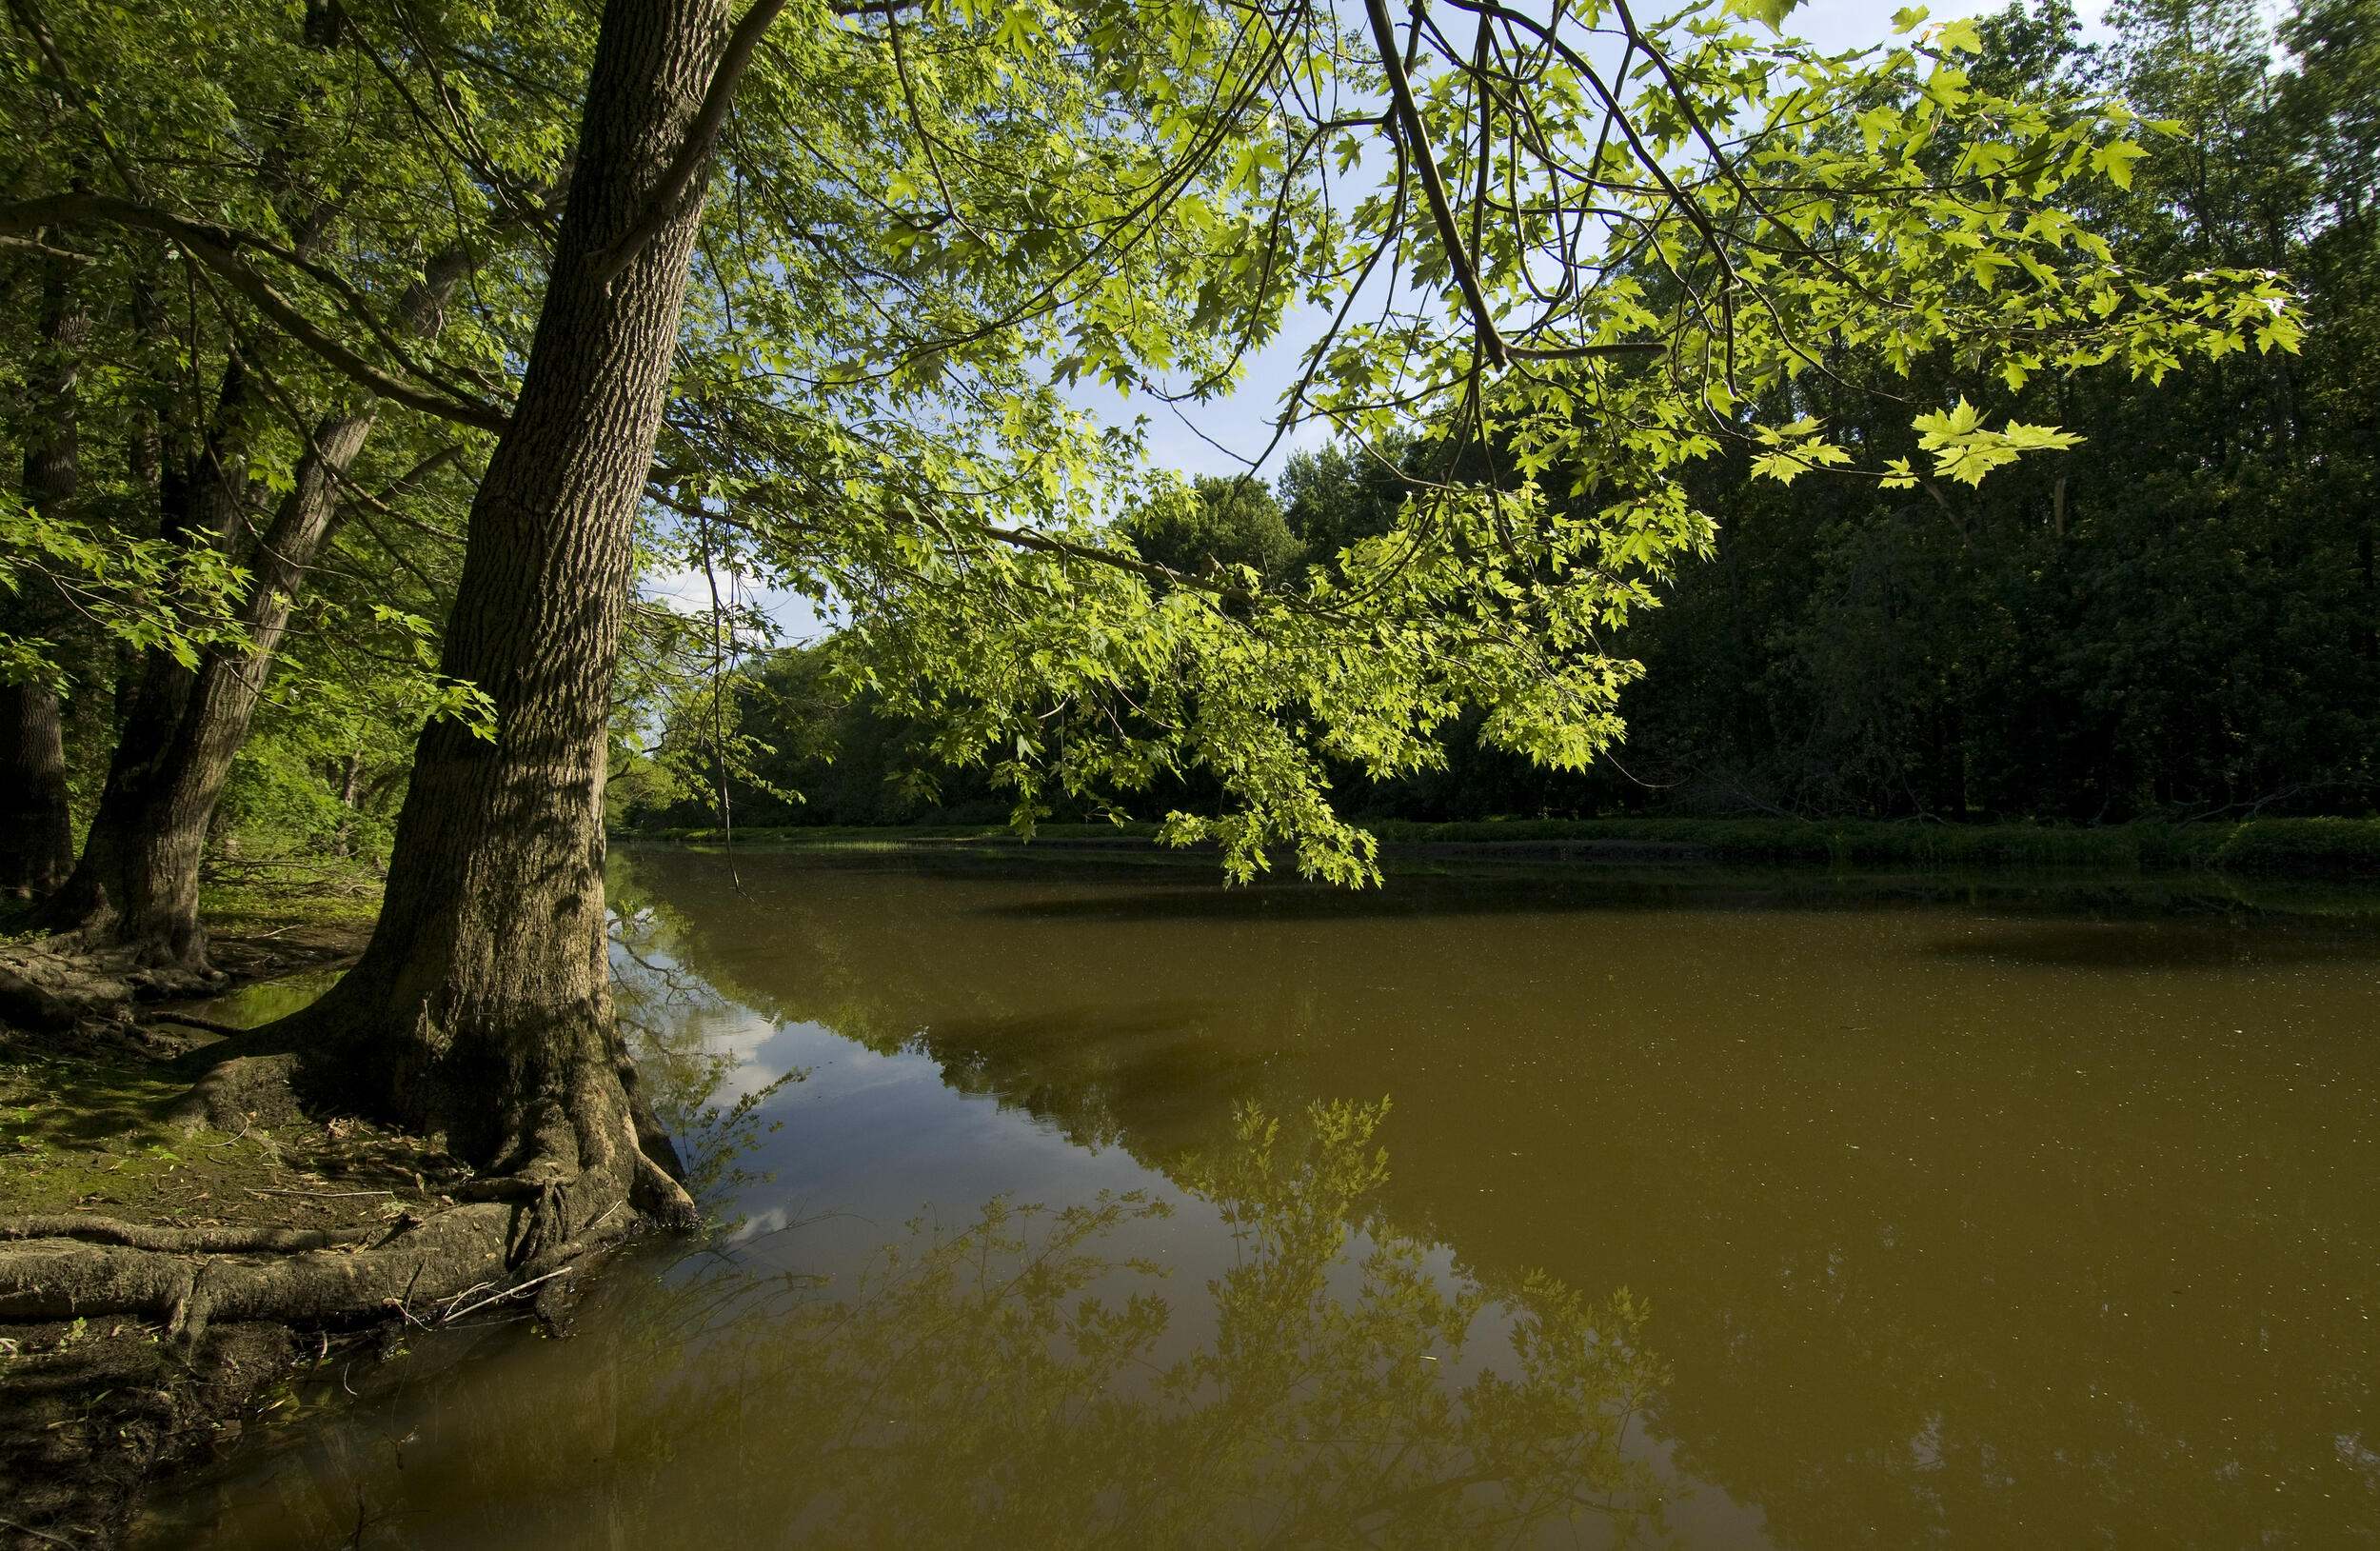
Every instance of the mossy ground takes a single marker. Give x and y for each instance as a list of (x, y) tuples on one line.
[(88, 1134), (89, 1410), (83, 1122)]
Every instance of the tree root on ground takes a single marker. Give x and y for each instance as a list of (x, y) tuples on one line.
[(236, 1089), (59, 981), (571, 1193), (209, 1241), (46, 989), (71, 1278)]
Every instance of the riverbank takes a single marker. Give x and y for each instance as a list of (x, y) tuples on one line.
[(91, 1410), (2347, 848)]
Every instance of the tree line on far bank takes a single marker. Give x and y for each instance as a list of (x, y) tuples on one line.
[(2175, 621)]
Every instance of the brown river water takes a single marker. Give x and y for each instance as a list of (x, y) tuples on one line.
[(1083, 1204)]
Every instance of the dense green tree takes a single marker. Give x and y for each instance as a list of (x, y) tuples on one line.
[(228, 441), (1212, 527), (2175, 620), (1333, 496)]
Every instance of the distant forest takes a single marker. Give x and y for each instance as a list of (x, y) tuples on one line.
[(2178, 620)]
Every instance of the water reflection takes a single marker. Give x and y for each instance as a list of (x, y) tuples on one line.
[(1958, 1224), (1023, 1382)]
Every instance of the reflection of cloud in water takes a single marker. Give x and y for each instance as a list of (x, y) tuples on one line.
[(1020, 1376)]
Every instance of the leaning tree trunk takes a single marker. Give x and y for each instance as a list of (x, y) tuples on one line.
[(135, 887), (36, 825), (481, 1008)]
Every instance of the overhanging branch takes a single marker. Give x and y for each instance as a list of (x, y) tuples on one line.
[(218, 248)]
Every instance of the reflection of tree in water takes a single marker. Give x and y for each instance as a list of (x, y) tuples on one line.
[(985, 1387), (1958, 1336), (1013, 1384)]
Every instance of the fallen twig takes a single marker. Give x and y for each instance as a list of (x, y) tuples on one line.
[(227, 1031), (498, 1296)]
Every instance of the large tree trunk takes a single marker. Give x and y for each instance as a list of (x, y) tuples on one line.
[(135, 887), (36, 824), (481, 1008)]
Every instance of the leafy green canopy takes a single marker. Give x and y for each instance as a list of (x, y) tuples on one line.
[(1572, 256), (246, 202)]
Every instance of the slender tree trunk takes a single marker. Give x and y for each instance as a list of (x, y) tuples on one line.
[(350, 796), (483, 1007), (122, 890), (36, 824), (136, 883)]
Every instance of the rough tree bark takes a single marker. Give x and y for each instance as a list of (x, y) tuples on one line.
[(482, 1010), (135, 887), (37, 827)]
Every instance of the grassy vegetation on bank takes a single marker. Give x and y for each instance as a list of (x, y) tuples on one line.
[(2323, 847)]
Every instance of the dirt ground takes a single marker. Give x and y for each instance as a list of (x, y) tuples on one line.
[(92, 1409)]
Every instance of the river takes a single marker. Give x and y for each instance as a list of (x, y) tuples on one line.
[(1083, 1203)]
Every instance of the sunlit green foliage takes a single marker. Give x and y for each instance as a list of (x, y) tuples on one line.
[(1640, 274), (2174, 619), (1567, 260)]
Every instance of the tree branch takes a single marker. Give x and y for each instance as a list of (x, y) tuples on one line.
[(662, 205), (217, 247), (1408, 116)]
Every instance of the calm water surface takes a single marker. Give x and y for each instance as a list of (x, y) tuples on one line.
[(1097, 1206)]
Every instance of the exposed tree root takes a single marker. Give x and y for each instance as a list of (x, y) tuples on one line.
[(237, 1089), (206, 1241), (55, 982), (580, 1179), (413, 1271), (44, 988)]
